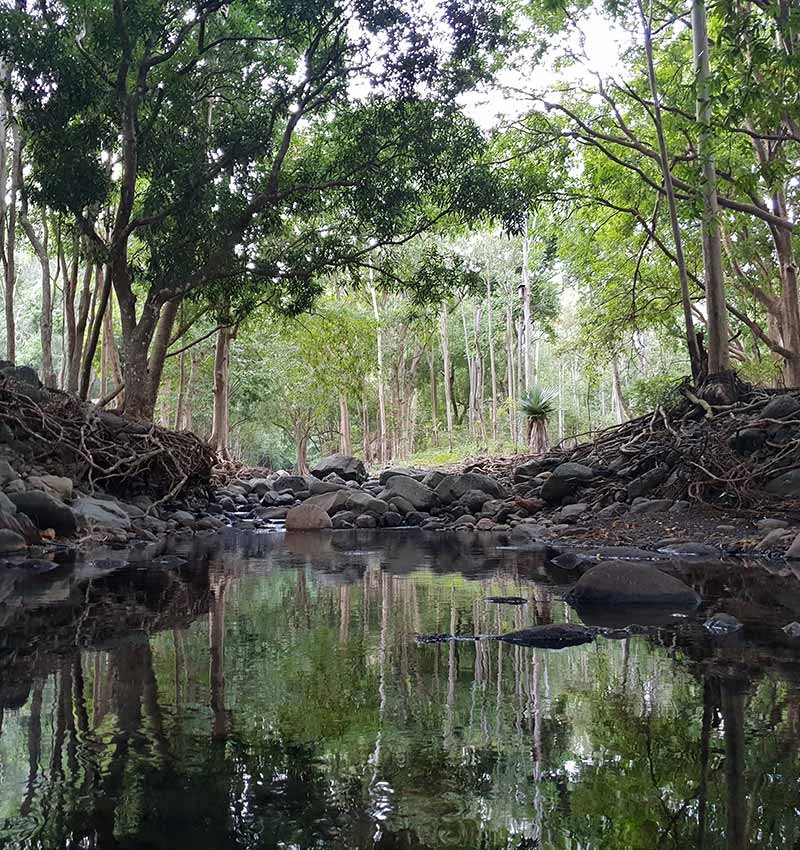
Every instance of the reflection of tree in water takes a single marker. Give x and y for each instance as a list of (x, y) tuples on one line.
[(302, 713)]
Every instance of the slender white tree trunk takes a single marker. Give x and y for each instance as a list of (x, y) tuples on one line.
[(525, 291), (448, 389), (345, 446), (492, 365), (383, 447)]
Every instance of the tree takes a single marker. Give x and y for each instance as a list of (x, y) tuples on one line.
[(537, 405), (234, 133)]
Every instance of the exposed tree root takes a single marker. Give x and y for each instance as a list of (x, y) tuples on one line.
[(102, 449)]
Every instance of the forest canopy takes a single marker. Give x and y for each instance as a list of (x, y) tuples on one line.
[(397, 229)]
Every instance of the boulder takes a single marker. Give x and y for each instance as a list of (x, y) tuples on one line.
[(46, 511), (359, 502), (331, 502), (7, 473), (781, 407), (391, 519), (749, 440), (453, 487), (6, 505), (345, 466), (417, 474), (366, 521), (648, 481), (651, 506), (569, 513), (565, 480), (259, 485), (631, 583), (183, 518), (11, 541), (474, 500), (485, 524), (786, 485), (533, 467), (55, 485), (306, 517), (434, 478), (551, 636), (401, 505), (794, 550), (317, 487), (721, 624), (414, 492), (101, 514), (344, 519), (295, 483)]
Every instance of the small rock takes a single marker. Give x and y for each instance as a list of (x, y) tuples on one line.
[(565, 480), (15, 486), (366, 521), (650, 506), (507, 600), (697, 550), (10, 541), (722, 624), (572, 512), (794, 550), (679, 506), (792, 629), (772, 539), (485, 524), (726, 529), (391, 519), (769, 524), (614, 509)]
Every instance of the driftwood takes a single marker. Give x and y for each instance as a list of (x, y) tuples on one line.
[(102, 449)]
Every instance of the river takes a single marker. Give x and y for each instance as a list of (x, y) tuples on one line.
[(269, 691)]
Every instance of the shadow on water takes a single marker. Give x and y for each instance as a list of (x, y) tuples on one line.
[(267, 691)]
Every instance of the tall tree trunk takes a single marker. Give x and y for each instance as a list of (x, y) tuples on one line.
[(560, 401), (478, 357), (471, 374), (76, 323), (345, 443), (697, 366), (301, 444), (718, 330), (188, 408), (102, 293), (5, 124), (512, 396), (40, 248), (10, 265), (180, 402), (525, 292), (220, 422), (382, 445), (619, 399), (365, 441), (492, 365), (434, 395), (448, 386)]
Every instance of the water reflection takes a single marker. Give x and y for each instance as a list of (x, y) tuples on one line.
[(272, 695)]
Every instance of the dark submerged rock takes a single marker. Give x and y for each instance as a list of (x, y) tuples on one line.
[(631, 583), (46, 511), (551, 636)]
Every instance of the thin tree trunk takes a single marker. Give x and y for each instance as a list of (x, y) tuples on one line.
[(512, 398), (181, 400), (188, 410), (560, 401), (492, 365), (220, 422), (382, 446), (301, 443), (76, 327), (619, 399), (345, 443), (471, 420), (695, 359), (11, 234), (434, 395), (448, 387), (718, 330), (103, 291), (525, 291), (365, 441)]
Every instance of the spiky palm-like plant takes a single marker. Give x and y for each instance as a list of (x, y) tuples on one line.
[(537, 405)]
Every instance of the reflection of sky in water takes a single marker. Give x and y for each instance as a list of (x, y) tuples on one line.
[(281, 700)]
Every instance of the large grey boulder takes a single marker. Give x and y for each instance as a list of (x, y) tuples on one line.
[(631, 583), (564, 481), (453, 487), (307, 517), (7, 473), (330, 502), (347, 467), (46, 511), (56, 485), (414, 492), (386, 474), (295, 483), (316, 486), (360, 502), (99, 513), (781, 407)]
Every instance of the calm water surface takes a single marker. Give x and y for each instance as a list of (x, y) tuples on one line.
[(271, 694)]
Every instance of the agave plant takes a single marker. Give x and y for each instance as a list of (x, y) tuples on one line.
[(537, 405)]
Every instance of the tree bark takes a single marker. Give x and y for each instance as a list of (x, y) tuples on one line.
[(345, 442), (10, 266), (434, 396), (512, 396), (382, 445), (220, 422), (697, 366), (492, 364), (718, 330), (180, 402), (448, 387), (525, 292), (619, 403)]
